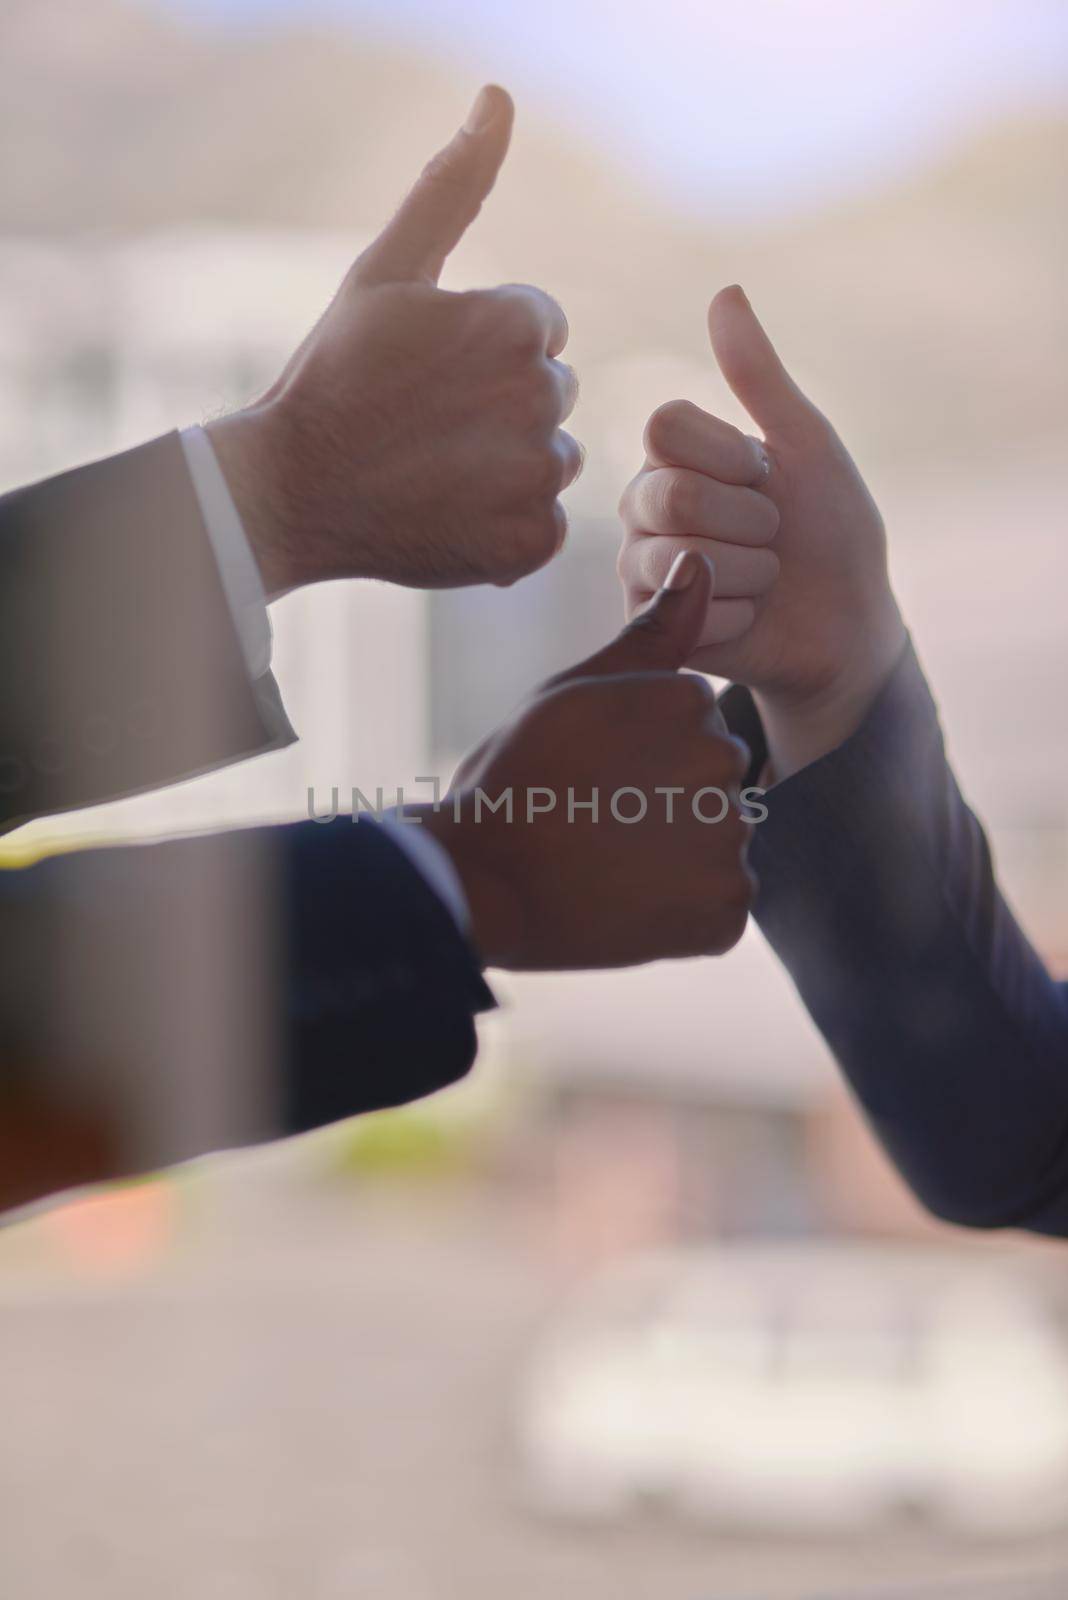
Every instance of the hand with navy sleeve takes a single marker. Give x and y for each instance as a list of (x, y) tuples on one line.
[(877, 886)]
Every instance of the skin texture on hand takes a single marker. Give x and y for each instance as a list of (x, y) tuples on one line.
[(576, 892), (414, 436), (817, 641)]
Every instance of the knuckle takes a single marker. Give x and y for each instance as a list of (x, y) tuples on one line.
[(628, 502), (693, 693), (766, 571), (653, 559), (540, 538), (573, 456), (498, 316), (480, 305), (766, 518), (738, 892), (441, 173), (546, 474), (740, 895), (734, 903), (352, 279), (570, 383), (678, 499), (520, 327), (736, 833), (662, 428), (635, 589), (529, 542), (523, 338), (725, 755), (773, 515), (692, 931)]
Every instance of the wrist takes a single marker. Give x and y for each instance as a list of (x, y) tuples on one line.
[(493, 903), (800, 728), (250, 452)]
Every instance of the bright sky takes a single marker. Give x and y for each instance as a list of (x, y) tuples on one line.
[(805, 95)]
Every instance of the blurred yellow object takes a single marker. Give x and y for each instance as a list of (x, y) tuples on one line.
[(403, 1143)]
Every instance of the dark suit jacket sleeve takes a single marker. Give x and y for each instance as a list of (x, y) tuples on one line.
[(879, 895), (215, 991), (381, 989), (120, 668)]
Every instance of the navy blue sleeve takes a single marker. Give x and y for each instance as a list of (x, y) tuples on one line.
[(381, 989), (202, 993), (878, 893)]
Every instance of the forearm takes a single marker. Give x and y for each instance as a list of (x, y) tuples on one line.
[(120, 667), (878, 893), (219, 991)]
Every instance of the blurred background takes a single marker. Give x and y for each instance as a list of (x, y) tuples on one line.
[(640, 1309)]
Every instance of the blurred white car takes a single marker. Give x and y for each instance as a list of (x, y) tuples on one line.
[(816, 1386)]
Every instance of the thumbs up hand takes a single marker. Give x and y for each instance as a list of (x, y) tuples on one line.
[(414, 436), (803, 613), (604, 826)]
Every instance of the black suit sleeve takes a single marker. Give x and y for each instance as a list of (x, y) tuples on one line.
[(120, 668), (878, 893), (381, 989), (216, 991)]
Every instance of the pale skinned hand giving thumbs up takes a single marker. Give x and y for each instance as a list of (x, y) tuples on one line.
[(803, 614), (415, 435)]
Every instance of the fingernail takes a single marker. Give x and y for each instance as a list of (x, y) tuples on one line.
[(481, 113), (762, 470), (683, 571)]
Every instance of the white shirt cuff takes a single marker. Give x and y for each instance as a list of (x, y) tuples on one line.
[(247, 600), (240, 576), (434, 865)]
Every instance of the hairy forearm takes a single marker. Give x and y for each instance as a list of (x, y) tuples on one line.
[(251, 448)]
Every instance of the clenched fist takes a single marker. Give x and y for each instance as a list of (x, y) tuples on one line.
[(415, 435), (618, 833), (812, 627)]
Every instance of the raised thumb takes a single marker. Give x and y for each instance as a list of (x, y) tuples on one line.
[(751, 365), (446, 199)]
